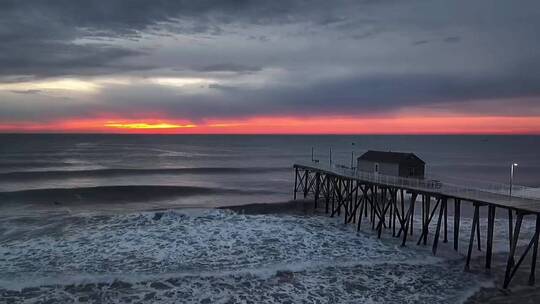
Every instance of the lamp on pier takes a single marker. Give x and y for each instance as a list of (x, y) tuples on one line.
[(512, 176)]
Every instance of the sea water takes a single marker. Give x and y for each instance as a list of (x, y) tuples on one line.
[(124, 219)]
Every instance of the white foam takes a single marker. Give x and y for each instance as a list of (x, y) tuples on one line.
[(208, 247)]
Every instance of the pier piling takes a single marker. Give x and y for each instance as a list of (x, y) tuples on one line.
[(389, 205)]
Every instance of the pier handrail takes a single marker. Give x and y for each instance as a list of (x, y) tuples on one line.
[(432, 183)]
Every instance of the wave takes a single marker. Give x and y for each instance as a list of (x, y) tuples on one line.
[(216, 255), (57, 174), (114, 194)]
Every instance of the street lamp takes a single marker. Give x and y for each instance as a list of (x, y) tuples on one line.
[(512, 176)]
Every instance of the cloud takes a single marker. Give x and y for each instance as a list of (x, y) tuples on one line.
[(54, 38), (227, 67), (452, 39), (202, 59), (26, 91)]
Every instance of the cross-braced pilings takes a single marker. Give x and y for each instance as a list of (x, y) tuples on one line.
[(386, 206)]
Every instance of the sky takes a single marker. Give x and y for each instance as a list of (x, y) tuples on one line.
[(291, 66)]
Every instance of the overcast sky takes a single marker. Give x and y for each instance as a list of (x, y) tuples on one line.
[(200, 61)]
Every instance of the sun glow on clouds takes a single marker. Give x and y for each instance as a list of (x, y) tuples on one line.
[(180, 81), (142, 125), (94, 85), (64, 84)]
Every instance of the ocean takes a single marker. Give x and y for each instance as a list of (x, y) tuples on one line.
[(131, 218)]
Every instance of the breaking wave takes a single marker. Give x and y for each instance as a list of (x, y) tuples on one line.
[(218, 256), (115, 194)]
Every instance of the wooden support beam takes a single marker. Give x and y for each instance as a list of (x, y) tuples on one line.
[(522, 257), (339, 196), (478, 234), (374, 201), (476, 218), (341, 200), (382, 218), (348, 200), (442, 211), (394, 211), (532, 275), (511, 259), (510, 264), (445, 220), (426, 225), (402, 202), (295, 182), (379, 204), (363, 205), (327, 194), (365, 209), (400, 215), (409, 218), (413, 202), (425, 231), (306, 188), (510, 228), (489, 246), (355, 203), (317, 189), (333, 201), (457, 215)]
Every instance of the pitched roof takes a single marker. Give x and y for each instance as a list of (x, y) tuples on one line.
[(391, 157)]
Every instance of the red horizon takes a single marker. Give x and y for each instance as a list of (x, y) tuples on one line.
[(402, 125)]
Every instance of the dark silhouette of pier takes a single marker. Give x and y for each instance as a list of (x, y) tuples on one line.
[(389, 202)]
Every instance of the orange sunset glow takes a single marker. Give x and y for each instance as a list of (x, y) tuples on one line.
[(293, 125), (149, 126)]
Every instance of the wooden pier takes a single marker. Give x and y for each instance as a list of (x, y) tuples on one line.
[(389, 203)]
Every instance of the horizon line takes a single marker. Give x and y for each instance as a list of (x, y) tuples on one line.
[(273, 134)]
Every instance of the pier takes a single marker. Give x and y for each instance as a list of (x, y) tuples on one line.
[(388, 203)]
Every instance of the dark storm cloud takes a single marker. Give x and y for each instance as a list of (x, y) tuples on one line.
[(51, 58), (39, 37), (350, 96)]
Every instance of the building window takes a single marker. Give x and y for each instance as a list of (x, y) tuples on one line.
[(376, 169), (412, 172)]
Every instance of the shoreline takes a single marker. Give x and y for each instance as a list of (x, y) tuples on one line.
[(518, 292)]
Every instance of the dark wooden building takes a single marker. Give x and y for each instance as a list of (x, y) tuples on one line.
[(391, 163)]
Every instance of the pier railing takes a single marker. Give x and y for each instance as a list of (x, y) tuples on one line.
[(473, 189)]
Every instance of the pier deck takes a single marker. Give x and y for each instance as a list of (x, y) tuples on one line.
[(388, 202)]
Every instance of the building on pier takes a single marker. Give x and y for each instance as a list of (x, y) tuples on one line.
[(392, 164)]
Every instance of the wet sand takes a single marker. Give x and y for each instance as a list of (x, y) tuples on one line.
[(519, 291)]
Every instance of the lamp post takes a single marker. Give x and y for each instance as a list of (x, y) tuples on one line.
[(512, 176)]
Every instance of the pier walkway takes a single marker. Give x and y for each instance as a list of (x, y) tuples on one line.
[(389, 202)]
